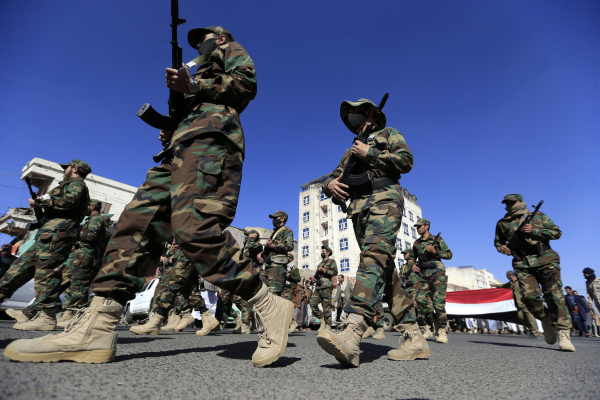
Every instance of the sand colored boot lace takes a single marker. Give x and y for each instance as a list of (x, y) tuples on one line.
[(413, 345), (344, 345)]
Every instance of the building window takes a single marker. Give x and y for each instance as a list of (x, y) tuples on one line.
[(305, 217), (325, 230), (339, 209), (405, 226), (305, 233), (306, 200), (305, 266), (418, 217), (345, 265), (408, 246), (343, 244), (404, 212), (343, 224), (414, 233), (410, 215), (323, 197), (324, 213), (304, 251), (399, 243)]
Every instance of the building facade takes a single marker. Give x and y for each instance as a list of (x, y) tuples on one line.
[(323, 223), (469, 278)]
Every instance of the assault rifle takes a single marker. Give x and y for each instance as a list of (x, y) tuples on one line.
[(37, 209), (517, 245), (356, 180), (423, 261), (267, 250), (176, 100)]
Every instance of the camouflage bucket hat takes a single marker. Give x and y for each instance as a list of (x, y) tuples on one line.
[(512, 197), (422, 221), (290, 256), (328, 249), (345, 111), (279, 214), (405, 251), (96, 203), (250, 232), (195, 34), (81, 165)]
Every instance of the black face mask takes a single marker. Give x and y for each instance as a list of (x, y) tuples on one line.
[(88, 212), (323, 255), (276, 222), (208, 46), (357, 119)]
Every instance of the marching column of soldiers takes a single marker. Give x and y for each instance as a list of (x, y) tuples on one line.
[(192, 196)]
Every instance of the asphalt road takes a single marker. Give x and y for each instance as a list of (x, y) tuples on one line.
[(182, 365)]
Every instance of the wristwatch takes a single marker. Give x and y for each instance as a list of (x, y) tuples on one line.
[(194, 86)]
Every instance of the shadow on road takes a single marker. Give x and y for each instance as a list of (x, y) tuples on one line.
[(369, 353), (511, 345)]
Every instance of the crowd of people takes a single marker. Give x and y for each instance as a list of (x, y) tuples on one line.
[(191, 197)]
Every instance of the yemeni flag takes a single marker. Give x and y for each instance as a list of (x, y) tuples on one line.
[(496, 304)]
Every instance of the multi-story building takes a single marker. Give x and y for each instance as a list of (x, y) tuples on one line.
[(467, 277), (323, 223)]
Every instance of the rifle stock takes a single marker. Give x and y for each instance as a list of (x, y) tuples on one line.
[(516, 240), (37, 210)]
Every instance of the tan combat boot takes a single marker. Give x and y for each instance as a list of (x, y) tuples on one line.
[(564, 341), (17, 314), (238, 323), (89, 338), (368, 332), (293, 326), (151, 327), (209, 322), (322, 326), (380, 334), (441, 336), (65, 318), (413, 346), (344, 345), (273, 315), (327, 328), (244, 329), (549, 331), (172, 321), (185, 319), (44, 320), (427, 334)]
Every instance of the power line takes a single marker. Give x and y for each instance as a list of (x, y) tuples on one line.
[(4, 173), (13, 187)]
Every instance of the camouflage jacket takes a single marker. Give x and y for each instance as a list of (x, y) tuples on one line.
[(227, 83), (593, 290), (330, 271), (252, 250), (93, 234), (515, 288), (441, 252), (544, 230), (284, 241), (389, 156), (66, 206)]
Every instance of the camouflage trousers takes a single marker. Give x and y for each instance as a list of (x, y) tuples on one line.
[(225, 304), (275, 278), (375, 230), (178, 289), (431, 291), (548, 277), (193, 197), (46, 256), (244, 308), (82, 270), (322, 296), (527, 320), (263, 277), (287, 293)]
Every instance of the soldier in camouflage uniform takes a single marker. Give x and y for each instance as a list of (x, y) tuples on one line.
[(252, 248), (278, 245), (525, 317), (84, 261), (64, 208), (539, 265), (416, 291), (292, 278), (435, 281), (191, 196), (376, 210), (322, 294)]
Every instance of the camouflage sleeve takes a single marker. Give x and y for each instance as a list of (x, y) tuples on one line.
[(285, 242), (294, 276), (254, 248), (330, 269), (544, 228), (232, 78), (91, 230), (499, 239), (337, 172), (405, 270), (412, 257), (397, 159), (502, 285), (73, 193), (444, 251)]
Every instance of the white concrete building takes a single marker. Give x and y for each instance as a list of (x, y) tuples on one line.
[(461, 278), (323, 223), (45, 175)]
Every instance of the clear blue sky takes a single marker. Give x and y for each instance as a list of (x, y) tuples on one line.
[(492, 98)]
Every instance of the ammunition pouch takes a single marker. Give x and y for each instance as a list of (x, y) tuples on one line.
[(279, 259), (427, 265), (364, 184)]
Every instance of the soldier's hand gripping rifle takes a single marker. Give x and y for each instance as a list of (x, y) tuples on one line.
[(517, 245), (37, 209), (356, 180), (423, 261), (176, 100)]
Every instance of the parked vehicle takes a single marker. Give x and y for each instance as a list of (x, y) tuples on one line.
[(140, 307)]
